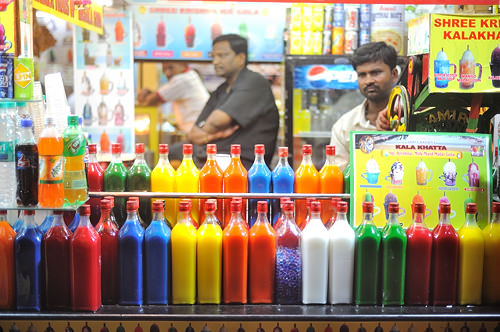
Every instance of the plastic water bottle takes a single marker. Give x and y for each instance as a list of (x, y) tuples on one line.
[(7, 157)]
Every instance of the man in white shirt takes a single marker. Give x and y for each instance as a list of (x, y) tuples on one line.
[(375, 64), (184, 89)]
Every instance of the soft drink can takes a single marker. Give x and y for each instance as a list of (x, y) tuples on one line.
[(338, 40), (327, 42), (328, 18), (316, 42), (23, 78), (307, 42), (296, 17), (364, 16), (351, 18), (6, 76), (364, 36), (317, 18), (295, 42), (351, 41), (338, 15)]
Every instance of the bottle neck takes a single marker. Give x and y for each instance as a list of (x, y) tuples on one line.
[(261, 218), (418, 218), (139, 158), (307, 159), (315, 216), (187, 157), (210, 218), (470, 219), (132, 216), (367, 218), (105, 215), (84, 221), (29, 221), (116, 158), (211, 156), (235, 157), (341, 216), (444, 219), (163, 157), (259, 159), (236, 217), (184, 217), (158, 216), (283, 162), (92, 158), (393, 219), (26, 135), (495, 218), (58, 220), (330, 160)]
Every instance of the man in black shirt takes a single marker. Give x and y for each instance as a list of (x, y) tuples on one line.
[(241, 111)]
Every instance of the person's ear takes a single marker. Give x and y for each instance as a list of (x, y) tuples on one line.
[(241, 59), (395, 75)]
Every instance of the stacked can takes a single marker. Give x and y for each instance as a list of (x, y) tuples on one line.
[(351, 14), (365, 11), (6, 75), (327, 29), (338, 29)]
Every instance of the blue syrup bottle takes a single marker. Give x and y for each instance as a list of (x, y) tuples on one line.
[(259, 181), (283, 179)]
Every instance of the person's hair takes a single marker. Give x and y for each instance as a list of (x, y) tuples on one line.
[(373, 52), (237, 43)]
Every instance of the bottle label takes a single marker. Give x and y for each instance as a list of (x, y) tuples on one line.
[(73, 180), (51, 169), (74, 146), (6, 151), (26, 161)]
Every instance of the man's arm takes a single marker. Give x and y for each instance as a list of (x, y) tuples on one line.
[(148, 98), (218, 125)]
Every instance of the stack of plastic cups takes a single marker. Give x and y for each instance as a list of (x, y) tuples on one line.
[(57, 104), (36, 109)]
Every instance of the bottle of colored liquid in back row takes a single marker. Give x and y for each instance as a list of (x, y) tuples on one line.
[(306, 182), (95, 180), (163, 180), (115, 177), (235, 181), (139, 180), (259, 181), (187, 179), (331, 181)]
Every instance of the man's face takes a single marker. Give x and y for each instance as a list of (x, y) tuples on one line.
[(226, 61), (375, 80), (170, 69)]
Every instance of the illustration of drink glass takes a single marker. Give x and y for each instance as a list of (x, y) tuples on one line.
[(495, 67), (161, 34), (104, 116), (369, 198), (121, 87), (86, 85), (105, 84), (419, 199), (423, 174), (468, 70), (119, 114), (442, 70), (372, 171), (87, 114), (396, 174), (391, 198), (472, 176), (189, 33), (445, 199), (449, 176), (119, 32)]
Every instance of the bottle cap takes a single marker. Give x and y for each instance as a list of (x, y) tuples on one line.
[(307, 149), (29, 212), (235, 149), (116, 148), (260, 149), (93, 148), (211, 148), (210, 205), (85, 210), (72, 119), (26, 123), (187, 201), (105, 204), (261, 206), (158, 206), (367, 207), (495, 207), (134, 199), (341, 207), (236, 205), (471, 208), (288, 206), (139, 148), (283, 200), (330, 150), (444, 207), (3, 212), (393, 207), (163, 148), (184, 206), (111, 200), (187, 148), (309, 200), (334, 202), (419, 207), (315, 206), (58, 212), (283, 151), (131, 206)]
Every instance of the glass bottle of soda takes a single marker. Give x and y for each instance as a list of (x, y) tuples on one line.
[(27, 166)]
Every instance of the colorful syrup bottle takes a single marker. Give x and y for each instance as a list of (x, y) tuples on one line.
[(157, 252), (366, 259), (74, 222), (183, 257), (95, 180), (27, 249), (261, 256), (333, 206), (85, 253), (393, 248), (187, 179), (309, 200), (491, 272), (235, 256), (288, 278), (259, 181), (341, 239), (470, 259), (282, 179), (108, 232), (306, 182), (281, 215), (111, 200), (139, 180), (130, 247), (46, 223), (209, 258), (235, 181), (56, 258), (135, 199), (163, 180), (444, 259), (211, 181), (7, 285), (331, 181), (314, 245), (418, 259), (115, 178)]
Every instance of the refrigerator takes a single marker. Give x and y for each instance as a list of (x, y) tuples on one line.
[(319, 89)]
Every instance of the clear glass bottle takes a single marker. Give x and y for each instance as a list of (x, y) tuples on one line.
[(315, 113)]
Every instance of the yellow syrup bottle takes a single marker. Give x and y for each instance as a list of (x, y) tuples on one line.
[(183, 241), (491, 277), (209, 258), (470, 259), (163, 180), (187, 178)]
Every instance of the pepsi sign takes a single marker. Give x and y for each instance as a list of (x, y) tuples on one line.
[(338, 77)]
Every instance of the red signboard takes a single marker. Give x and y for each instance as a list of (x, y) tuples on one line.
[(402, 2)]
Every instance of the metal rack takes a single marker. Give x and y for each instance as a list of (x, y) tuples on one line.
[(214, 195)]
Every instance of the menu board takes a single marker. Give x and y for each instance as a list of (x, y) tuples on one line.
[(420, 167)]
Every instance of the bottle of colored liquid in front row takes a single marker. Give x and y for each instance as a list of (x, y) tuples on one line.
[(491, 277), (282, 179), (130, 246), (331, 181), (211, 181), (7, 285), (157, 262), (470, 259), (306, 182), (259, 181)]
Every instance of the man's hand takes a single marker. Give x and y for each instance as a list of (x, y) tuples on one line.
[(224, 133), (382, 123), (142, 95)]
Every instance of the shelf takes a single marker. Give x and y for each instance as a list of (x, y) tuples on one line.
[(214, 195), (314, 134), (38, 208), (13, 100)]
